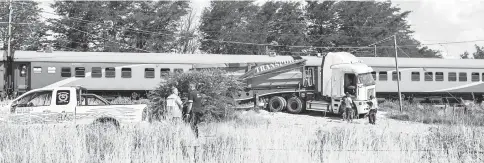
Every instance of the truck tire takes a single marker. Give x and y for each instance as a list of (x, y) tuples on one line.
[(276, 104), (107, 122), (284, 102), (294, 105)]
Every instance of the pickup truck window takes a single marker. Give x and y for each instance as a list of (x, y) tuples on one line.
[(41, 98), (91, 100)]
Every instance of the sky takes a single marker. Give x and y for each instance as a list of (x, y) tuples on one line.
[(434, 21)]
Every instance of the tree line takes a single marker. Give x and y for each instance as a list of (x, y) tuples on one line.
[(225, 27)]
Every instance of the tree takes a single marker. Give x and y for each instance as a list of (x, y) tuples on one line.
[(465, 55), (226, 21), (362, 23), (479, 54), (28, 32), (134, 26)]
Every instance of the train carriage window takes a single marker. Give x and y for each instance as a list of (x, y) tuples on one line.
[(475, 77), (37, 70), (452, 76), (149, 73), (383, 76), (110, 72), (462, 76), (394, 75), (429, 76), (51, 70), (178, 70), (415, 76), (164, 72), (482, 76), (126, 72), (374, 75), (439, 76), (80, 72), (96, 72), (66, 72)]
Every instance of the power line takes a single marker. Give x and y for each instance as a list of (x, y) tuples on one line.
[(100, 37), (290, 46)]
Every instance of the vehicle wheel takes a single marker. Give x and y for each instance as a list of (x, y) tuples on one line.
[(276, 104), (284, 102), (106, 122), (295, 105)]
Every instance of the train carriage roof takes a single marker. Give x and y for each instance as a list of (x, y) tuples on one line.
[(423, 62), (143, 58)]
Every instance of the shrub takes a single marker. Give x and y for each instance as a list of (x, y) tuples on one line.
[(217, 88)]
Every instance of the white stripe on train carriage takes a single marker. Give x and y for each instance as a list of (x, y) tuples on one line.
[(458, 87), (88, 74)]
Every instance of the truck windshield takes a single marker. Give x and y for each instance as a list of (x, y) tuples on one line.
[(366, 79)]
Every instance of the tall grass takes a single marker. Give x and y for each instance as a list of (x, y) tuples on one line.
[(247, 138), (430, 115)]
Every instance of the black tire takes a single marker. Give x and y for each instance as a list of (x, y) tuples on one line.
[(284, 102), (295, 105), (276, 104), (107, 122)]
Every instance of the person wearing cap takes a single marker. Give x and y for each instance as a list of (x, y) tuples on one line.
[(194, 110), (174, 105), (348, 106)]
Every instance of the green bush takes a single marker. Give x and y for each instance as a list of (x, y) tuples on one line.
[(217, 87)]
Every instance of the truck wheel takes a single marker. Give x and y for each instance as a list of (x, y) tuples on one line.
[(284, 102), (106, 122), (276, 104), (294, 105)]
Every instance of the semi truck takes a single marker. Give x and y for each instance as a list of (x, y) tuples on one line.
[(316, 83)]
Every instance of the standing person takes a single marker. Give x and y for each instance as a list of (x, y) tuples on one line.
[(348, 106), (194, 107), (373, 109), (174, 105)]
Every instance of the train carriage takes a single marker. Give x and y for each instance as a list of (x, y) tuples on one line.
[(124, 73), (424, 77), (109, 73)]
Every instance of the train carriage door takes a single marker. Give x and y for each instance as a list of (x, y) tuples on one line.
[(22, 75)]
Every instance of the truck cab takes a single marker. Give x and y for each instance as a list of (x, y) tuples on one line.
[(69, 104), (357, 81)]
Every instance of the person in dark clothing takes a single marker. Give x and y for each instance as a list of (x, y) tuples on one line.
[(373, 109), (194, 110)]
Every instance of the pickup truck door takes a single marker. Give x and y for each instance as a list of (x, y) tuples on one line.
[(92, 107), (32, 107)]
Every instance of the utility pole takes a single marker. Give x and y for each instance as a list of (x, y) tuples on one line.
[(398, 73), (9, 64)]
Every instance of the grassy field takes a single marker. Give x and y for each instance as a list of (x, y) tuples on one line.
[(248, 138), (428, 115)]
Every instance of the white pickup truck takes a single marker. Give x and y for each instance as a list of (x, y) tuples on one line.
[(70, 105)]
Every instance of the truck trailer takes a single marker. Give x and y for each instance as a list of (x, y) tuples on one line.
[(316, 83)]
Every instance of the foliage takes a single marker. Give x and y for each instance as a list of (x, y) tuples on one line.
[(28, 32), (226, 20), (318, 24), (126, 26), (465, 55), (479, 54), (217, 87)]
